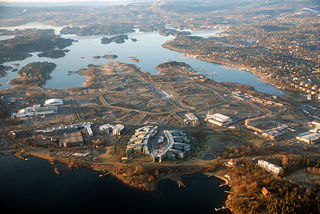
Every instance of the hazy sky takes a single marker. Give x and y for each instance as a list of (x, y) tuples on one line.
[(51, 0)]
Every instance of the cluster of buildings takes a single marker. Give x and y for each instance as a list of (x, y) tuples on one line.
[(270, 167), (49, 107), (116, 130), (71, 127), (139, 141), (311, 91), (246, 96), (191, 119), (312, 136), (218, 119), (309, 137), (35, 110), (267, 128), (272, 129), (178, 146), (72, 136)]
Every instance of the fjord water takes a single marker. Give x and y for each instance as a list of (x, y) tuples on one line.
[(147, 49), (32, 187)]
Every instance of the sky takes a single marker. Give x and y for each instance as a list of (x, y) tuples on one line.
[(51, 0)]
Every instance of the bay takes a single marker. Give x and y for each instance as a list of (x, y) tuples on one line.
[(147, 49), (32, 187)]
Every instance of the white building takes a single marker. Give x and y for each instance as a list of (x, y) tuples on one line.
[(218, 119), (270, 167), (139, 141), (117, 129), (110, 129), (192, 118), (53, 102), (87, 126), (35, 110)]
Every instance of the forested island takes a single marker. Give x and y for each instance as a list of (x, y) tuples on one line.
[(31, 40), (55, 54), (34, 74), (116, 39), (110, 56), (95, 29)]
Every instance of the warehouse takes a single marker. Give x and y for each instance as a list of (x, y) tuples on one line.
[(71, 140), (309, 137), (218, 119), (35, 110)]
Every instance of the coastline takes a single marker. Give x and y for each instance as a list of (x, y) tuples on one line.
[(228, 64), (212, 174)]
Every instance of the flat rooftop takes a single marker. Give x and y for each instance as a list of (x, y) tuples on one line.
[(72, 138)]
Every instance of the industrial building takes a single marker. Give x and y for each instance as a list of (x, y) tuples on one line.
[(113, 130), (309, 137), (270, 167), (53, 102), (49, 107), (266, 127), (71, 140), (218, 119), (35, 110), (78, 126)]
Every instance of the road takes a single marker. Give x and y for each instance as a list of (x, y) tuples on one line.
[(106, 104)]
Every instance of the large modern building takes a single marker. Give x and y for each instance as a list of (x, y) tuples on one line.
[(266, 127), (218, 119), (139, 141), (178, 146), (309, 137), (35, 110), (270, 167), (53, 102), (110, 129)]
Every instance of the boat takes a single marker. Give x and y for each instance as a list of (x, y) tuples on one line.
[(222, 208), (56, 170), (105, 174)]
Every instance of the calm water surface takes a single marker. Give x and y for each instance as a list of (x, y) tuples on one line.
[(147, 49), (31, 186)]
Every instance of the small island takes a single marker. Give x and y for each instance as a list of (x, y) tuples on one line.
[(34, 74), (103, 29), (54, 54), (134, 60), (117, 39), (110, 56), (28, 41)]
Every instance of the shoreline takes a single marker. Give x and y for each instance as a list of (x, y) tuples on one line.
[(232, 66), (212, 174)]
